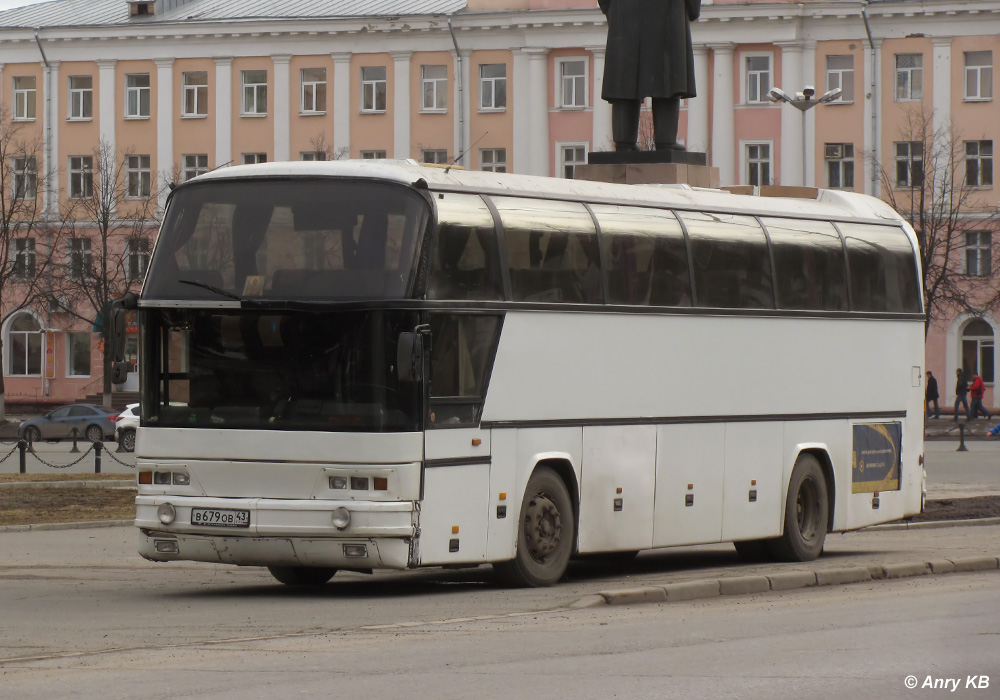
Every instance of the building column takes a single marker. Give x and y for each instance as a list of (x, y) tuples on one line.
[(792, 160), (341, 104), (106, 106), (533, 113), (464, 97), (872, 137), (223, 111), (282, 106), (696, 138), (401, 104), (723, 154), (164, 127), (941, 99), (600, 139), (808, 73)]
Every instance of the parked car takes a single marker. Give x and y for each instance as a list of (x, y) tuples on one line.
[(125, 425), (91, 422)]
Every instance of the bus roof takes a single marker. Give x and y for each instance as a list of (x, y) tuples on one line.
[(822, 204)]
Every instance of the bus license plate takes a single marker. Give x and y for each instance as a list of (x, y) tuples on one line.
[(220, 517)]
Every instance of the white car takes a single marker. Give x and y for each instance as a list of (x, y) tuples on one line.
[(125, 425)]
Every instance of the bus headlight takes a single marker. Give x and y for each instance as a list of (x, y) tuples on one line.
[(166, 513), (341, 518)]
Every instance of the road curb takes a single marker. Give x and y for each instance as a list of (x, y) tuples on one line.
[(785, 581), (67, 526), (81, 484), (933, 524)]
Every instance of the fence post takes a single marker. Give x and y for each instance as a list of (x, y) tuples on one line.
[(961, 438), (74, 448), (98, 446), (22, 447)]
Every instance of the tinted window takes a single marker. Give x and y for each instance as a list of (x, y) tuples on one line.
[(81, 411), (460, 364), (464, 262), (810, 269), (883, 269), (646, 256), (552, 251), (732, 269)]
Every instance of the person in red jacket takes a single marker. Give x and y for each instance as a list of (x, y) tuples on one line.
[(976, 391)]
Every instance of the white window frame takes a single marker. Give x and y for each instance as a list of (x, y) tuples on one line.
[(81, 177), (8, 346), (984, 163), (372, 155), (254, 158), (910, 95), (24, 98), (835, 78), (81, 337), (373, 88), (137, 97), (909, 160), (81, 99), (493, 83), (745, 81), (438, 88), (312, 156), (196, 94), (312, 92), (438, 156), (980, 74), (745, 161), (24, 177), (978, 248), (136, 258), (79, 258), (841, 166), (562, 147), (194, 165), (576, 86), (495, 166), (22, 255), (254, 101), (138, 178)]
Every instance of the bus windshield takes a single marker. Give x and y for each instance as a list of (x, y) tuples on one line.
[(288, 239)]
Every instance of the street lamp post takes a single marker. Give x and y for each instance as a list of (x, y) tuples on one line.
[(803, 101)]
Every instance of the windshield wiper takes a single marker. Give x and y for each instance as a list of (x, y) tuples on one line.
[(211, 288)]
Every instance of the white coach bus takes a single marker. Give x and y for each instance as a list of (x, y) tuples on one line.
[(359, 365)]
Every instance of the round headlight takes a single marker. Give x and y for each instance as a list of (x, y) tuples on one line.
[(166, 513), (341, 518)]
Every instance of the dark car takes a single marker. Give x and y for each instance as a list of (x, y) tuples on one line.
[(92, 423)]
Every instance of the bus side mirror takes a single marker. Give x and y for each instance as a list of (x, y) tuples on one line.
[(117, 334), (410, 357), (119, 372)]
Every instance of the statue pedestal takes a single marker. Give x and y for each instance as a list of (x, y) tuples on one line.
[(649, 167)]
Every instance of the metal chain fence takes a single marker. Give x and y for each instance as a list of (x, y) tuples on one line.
[(25, 448)]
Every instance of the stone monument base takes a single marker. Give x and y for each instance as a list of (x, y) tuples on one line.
[(665, 156), (649, 174)]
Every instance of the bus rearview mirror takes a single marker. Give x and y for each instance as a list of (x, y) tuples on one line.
[(410, 357), (119, 372), (118, 333)]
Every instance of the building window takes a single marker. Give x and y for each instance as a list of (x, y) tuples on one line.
[(79, 258), (254, 158), (78, 354), (909, 163), (493, 86), (137, 96), (979, 163), (978, 253), (24, 347), (24, 98), (977, 350), (372, 155), (570, 156), (312, 155), (909, 77), (572, 83), (23, 258), (254, 92), (434, 155), (195, 102), (493, 160), (840, 74), (979, 75), (840, 166), (136, 258), (313, 90), (373, 89), (25, 177), (81, 97), (81, 177), (195, 164), (137, 176), (434, 88), (758, 77), (758, 163)]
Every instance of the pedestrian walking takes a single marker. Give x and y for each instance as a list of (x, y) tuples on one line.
[(961, 393), (977, 391), (931, 396)]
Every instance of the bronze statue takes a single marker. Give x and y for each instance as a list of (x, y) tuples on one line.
[(649, 54)]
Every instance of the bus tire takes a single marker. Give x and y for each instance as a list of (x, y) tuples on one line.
[(302, 575), (753, 550), (545, 534), (807, 511)]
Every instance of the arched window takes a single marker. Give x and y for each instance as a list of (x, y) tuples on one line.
[(24, 346), (977, 350)]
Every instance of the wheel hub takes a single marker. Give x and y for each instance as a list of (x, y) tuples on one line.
[(542, 527)]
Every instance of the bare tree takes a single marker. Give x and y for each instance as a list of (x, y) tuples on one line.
[(328, 152), (27, 240), (936, 186), (111, 221)]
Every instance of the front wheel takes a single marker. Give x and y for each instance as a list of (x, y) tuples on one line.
[(32, 434), (94, 433), (302, 575), (545, 534), (128, 440), (807, 510)]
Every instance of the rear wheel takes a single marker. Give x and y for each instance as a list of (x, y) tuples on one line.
[(32, 434), (806, 513), (94, 433), (128, 440), (545, 535), (302, 575)]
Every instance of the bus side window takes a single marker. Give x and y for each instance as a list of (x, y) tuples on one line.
[(732, 268), (461, 352), (883, 269), (810, 273), (465, 260)]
